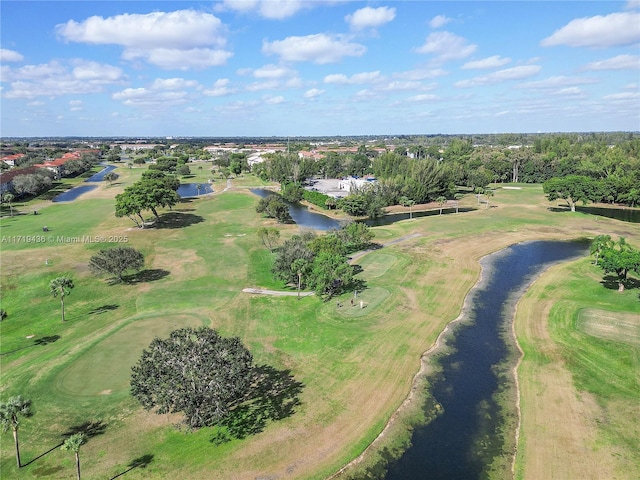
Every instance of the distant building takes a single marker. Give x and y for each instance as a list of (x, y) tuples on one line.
[(352, 183), (11, 159), (6, 178)]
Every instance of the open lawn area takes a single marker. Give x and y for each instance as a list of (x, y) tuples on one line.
[(356, 366)]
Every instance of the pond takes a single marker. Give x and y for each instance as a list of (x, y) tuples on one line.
[(302, 215), (187, 190), (625, 214), (396, 217), (463, 440), (99, 177), (305, 218), (72, 194)]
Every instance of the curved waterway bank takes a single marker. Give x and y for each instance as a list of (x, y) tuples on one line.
[(470, 385)]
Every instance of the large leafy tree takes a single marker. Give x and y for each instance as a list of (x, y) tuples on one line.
[(10, 413), (274, 207), (155, 189), (598, 244), (73, 444), (61, 287), (331, 274), (269, 236), (127, 205), (572, 188), (620, 258), (195, 372), (116, 261)]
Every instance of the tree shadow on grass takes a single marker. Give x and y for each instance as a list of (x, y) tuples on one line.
[(611, 282), (178, 220), (38, 341), (149, 275), (274, 396), (43, 454), (104, 309), (90, 428), (140, 462)]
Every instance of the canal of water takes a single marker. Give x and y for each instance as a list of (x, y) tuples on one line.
[(468, 435)]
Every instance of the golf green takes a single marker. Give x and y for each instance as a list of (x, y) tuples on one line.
[(105, 368)]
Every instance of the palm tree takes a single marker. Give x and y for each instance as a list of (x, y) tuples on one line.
[(9, 413), (9, 197), (441, 201), (407, 202), (61, 286), (488, 193), (198, 188), (457, 198), (73, 443)]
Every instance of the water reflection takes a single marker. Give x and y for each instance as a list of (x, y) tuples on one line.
[(625, 214), (72, 194), (186, 190), (99, 177), (303, 217)]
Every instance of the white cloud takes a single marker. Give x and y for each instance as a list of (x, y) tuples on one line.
[(313, 93), (272, 71), (182, 39), (96, 72), (273, 100), (143, 97), (421, 74), (621, 62), (358, 78), (318, 48), (266, 85), (397, 86), (75, 106), (369, 17), (559, 81), (182, 29), (423, 98), (622, 96), (439, 21), (173, 84), (568, 92), (10, 56), (272, 9), (515, 73), (600, 31), (55, 79), (175, 59), (446, 46), (220, 89), (495, 61)]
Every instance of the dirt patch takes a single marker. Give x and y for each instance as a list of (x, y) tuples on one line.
[(616, 326)]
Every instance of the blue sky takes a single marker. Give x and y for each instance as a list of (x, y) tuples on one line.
[(325, 67)]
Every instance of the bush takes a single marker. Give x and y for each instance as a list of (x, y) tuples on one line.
[(317, 198)]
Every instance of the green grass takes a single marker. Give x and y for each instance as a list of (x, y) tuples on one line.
[(356, 364), (590, 324)]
